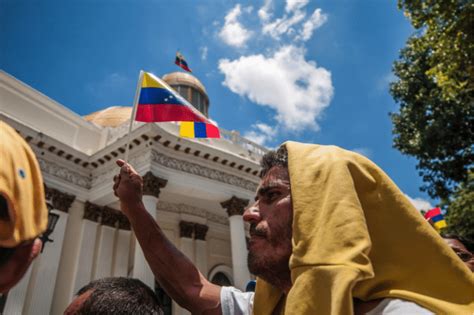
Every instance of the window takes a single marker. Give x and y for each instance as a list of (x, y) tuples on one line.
[(221, 279)]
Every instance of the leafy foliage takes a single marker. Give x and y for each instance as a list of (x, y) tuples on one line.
[(460, 217), (435, 90)]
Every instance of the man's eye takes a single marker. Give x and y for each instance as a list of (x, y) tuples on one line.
[(272, 195)]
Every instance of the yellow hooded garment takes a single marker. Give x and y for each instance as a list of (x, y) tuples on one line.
[(355, 235)]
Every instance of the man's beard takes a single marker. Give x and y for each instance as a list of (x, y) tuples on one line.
[(272, 268)]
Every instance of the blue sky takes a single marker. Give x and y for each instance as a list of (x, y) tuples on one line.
[(310, 71)]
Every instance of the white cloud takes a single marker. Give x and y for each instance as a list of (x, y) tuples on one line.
[(261, 134), (283, 25), (294, 5), (316, 20), (263, 12), (294, 23), (203, 50), (420, 203), (233, 33), (295, 88)]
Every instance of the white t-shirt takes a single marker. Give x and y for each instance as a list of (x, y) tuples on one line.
[(236, 302)]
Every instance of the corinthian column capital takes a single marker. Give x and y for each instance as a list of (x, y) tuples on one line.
[(235, 205), (152, 184)]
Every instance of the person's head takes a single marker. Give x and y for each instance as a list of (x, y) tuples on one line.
[(114, 296), (462, 248), (23, 211), (270, 218)]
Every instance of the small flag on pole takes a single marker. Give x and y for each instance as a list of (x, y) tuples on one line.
[(436, 217), (180, 62), (158, 102)]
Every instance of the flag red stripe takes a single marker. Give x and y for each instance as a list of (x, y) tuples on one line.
[(165, 112), (212, 131), (432, 213)]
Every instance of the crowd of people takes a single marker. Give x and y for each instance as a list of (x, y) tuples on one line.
[(330, 233)]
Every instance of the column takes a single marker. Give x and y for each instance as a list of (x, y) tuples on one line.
[(69, 257), (235, 208), (200, 231), (122, 248), (186, 231), (17, 295), (90, 226), (41, 290), (151, 190)]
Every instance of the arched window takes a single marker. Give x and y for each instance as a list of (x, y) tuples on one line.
[(221, 275)]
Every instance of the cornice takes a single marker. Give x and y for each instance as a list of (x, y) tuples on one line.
[(186, 209), (61, 172), (202, 171)]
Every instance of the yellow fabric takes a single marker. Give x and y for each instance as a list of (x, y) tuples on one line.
[(355, 235), (21, 184), (150, 82), (186, 129)]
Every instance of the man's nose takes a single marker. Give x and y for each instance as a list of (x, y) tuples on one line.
[(252, 213)]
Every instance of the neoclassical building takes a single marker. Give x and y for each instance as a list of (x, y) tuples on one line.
[(196, 189)]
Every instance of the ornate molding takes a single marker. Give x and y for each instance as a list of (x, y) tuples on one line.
[(146, 157), (202, 171), (186, 229), (200, 231), (182, 208), (235, 206), (106, 216), (56, 170), (58, 200), (152, 184)]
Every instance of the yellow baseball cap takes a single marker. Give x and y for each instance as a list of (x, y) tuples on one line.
[(21, 184)]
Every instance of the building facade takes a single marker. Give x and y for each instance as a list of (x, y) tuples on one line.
[(195, 189)]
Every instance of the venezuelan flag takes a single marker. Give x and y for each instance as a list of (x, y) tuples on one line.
[(437, 218), (190, 129), (180, 62), (158, 103)]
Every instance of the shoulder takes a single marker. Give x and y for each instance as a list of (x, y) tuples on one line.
[(398, 307), (236, 302)]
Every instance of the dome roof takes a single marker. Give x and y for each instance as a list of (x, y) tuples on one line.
[(183, 78), (110, 117)]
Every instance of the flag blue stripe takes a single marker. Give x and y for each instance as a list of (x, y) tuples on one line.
[(200, 130), (158, 96), (437, 218)]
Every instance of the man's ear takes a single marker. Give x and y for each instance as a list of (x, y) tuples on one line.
[(15, 268)]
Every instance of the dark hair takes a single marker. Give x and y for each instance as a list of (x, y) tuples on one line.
[(5, 253), (274, 158), (469, 244), (119, 296)]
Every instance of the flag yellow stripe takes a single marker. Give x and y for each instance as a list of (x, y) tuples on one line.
[(186, 129), (440, 224), (150, 82)]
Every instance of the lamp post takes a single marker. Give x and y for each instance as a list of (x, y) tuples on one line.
[(52, 220)]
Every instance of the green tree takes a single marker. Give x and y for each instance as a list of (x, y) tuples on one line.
[(435, 90), (460, 217)]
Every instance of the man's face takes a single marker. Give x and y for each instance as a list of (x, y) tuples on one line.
[(466, 256), (270, 218)]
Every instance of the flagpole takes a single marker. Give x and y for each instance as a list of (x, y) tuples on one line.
[(132, 116)]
